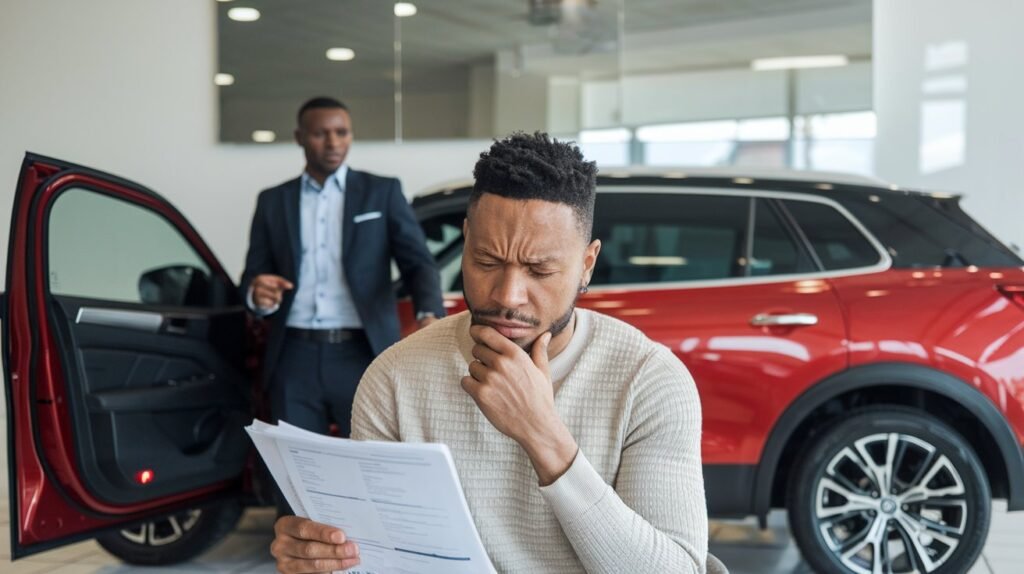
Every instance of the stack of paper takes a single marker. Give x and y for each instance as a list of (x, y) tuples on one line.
[(400, 502)]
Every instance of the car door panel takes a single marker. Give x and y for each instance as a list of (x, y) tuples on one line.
[(168, 402), (122, 407)]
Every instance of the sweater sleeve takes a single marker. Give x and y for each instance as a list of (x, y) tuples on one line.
[(374, 409), (655, 518)]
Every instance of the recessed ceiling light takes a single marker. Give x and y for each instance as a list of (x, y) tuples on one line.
[(405, 9), (263, 136), (742, 180), (223, 79), (792, 63), (244, 14), (223, 0), (340, 54)]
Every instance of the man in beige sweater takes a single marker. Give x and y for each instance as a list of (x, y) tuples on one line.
[(576, 438)]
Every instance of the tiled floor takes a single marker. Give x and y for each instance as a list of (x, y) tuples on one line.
[(740, 545)]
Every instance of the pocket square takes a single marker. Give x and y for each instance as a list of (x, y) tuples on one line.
[(366, 216)]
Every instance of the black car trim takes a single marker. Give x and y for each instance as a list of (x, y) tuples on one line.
[(801, 237), (891, 375), (727, 489)]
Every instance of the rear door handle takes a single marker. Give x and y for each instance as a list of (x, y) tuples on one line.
[(787, 320)]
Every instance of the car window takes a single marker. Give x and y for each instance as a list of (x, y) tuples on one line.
[(442, 231), (444, 241), (921, 231), (667, 237), (835, 240), (775, 252), (104, 248)]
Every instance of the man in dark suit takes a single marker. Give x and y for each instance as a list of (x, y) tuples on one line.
[(319, 267)]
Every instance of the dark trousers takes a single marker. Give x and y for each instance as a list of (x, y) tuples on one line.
[(314, 385)]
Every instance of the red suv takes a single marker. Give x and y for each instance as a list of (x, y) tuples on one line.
[(859, 351)]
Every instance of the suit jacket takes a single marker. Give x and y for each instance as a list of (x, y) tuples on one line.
[(369, 244)]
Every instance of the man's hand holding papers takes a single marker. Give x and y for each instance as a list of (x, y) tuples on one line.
[(391, 508), (302, 546)]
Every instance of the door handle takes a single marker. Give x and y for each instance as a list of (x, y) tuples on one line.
[(787, 320), (120, 318)]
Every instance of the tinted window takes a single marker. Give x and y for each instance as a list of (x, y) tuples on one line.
[(775, 252), (442, 231), (444, 241), (106, 248), (922, 231), (662, 237), (835, 240)]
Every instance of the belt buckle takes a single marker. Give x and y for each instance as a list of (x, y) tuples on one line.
[(335, 336)]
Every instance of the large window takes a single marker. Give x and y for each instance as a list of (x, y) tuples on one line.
[(842, 142), (754, 142), (609, 148), (836, 142)]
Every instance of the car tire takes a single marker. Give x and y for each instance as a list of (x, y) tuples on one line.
[(173, 539), (890, 485)]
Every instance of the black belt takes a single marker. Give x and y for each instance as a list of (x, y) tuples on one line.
[(326, 335)]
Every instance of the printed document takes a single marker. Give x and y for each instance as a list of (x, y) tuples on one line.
[(402, 503)]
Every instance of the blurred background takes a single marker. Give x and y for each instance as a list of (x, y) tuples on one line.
[(197, 98)]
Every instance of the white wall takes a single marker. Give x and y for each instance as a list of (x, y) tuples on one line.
[(948, 96), (125, 86), (520, 99), (481, 100), (564, 98)]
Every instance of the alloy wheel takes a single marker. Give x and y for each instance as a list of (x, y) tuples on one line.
[(891, 503), (164, 531)]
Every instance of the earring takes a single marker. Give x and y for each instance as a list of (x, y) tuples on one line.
[(583, 289)]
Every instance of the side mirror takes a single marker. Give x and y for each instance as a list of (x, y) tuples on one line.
[(175, 286)]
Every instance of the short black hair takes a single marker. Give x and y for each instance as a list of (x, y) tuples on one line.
[(524, 166), (320, 102)]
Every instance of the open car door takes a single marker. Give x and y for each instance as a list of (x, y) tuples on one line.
[(124, 343)]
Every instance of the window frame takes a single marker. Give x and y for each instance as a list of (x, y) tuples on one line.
[(883, 264), (216, 272)]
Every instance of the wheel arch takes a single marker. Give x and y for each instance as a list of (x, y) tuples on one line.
[(964, 407)]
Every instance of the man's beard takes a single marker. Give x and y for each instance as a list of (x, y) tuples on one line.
[(556, 327)]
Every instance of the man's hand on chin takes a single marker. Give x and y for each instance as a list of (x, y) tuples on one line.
[(513, 389)]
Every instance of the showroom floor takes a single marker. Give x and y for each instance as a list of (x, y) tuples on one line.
[(744, 548)]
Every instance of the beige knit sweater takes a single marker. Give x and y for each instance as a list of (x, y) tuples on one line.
[(633, 499)]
